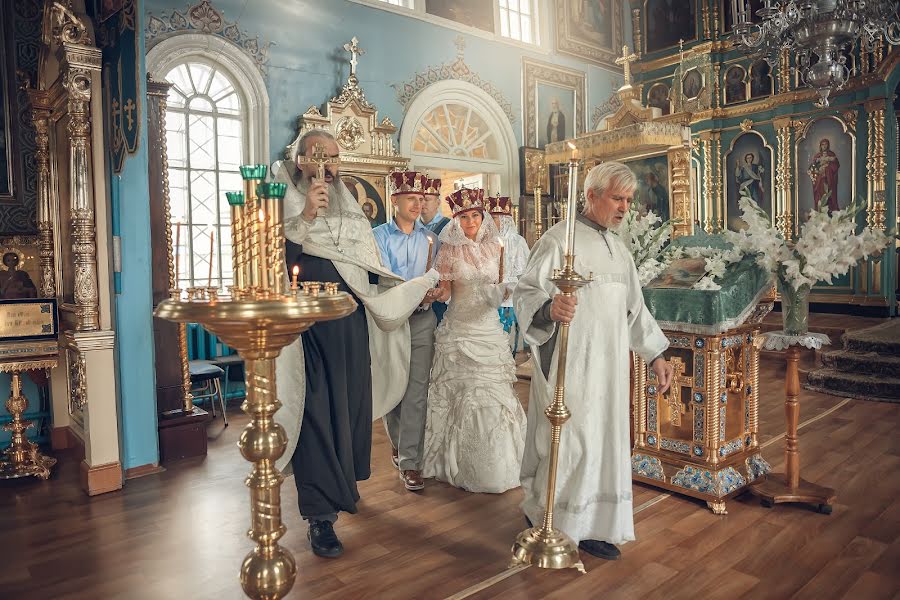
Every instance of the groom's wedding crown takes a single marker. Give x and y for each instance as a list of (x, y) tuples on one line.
[(433, 187), (500, 205), (408, 182), (463, 200)]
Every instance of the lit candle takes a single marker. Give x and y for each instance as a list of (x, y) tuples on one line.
[(502, 252), (177, 244), (428, 260), (295, 274), (212, 245), (573, 201)]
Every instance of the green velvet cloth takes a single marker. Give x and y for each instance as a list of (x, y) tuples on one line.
[(710, 311)]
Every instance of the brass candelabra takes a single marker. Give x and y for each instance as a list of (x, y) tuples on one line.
[(259, 317)]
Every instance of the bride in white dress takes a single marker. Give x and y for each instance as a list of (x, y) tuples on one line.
[(475, 427)]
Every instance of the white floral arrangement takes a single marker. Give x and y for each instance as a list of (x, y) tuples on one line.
[(646, 236), (827, 247)]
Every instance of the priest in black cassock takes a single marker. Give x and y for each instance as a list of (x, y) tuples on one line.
[(340, 375)]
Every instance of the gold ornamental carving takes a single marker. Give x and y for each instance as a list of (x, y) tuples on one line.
[(78, 397), (40, 116), (61, 25), (636, 30), (349, 133), (746, 125), (784, 180), (850, 117), (682, 205)]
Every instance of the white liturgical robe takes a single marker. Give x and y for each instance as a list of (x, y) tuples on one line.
[(593, 485)]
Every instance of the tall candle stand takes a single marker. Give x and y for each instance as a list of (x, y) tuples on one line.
[(544, 546), (258, 318)]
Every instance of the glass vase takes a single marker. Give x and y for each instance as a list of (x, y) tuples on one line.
[(794, 308)]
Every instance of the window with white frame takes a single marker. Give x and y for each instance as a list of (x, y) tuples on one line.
[(453, 129), (517, 20), (401, 3), (206, 143)]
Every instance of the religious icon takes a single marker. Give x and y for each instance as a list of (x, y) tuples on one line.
[(826, 150), (760, 79), (555, 109), (658, 97), (691, 84), (368, 197), (667, 21), (750, 175), (652, 192), (683, 273), (735, 88), (823, 171), (556, 123), (474, 13), (593, 19), (15, 284)]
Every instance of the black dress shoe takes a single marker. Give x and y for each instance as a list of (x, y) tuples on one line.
[(323, 540), (603, 550)]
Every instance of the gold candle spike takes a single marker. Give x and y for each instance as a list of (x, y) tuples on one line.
[(295, 274), (314, 288), (331, 288)]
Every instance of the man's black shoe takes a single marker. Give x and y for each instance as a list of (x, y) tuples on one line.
[(603, 550), (323, 540)]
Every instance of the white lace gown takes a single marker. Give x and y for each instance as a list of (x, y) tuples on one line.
[(475, 428)]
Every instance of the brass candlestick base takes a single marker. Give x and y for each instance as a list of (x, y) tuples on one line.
[(22, 458), (544, 546), (258, 328)]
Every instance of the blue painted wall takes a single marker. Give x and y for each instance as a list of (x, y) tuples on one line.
[(129, 197), (307, 65)]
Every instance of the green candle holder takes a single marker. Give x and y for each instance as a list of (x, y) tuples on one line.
[(254, 171), (235, 198)]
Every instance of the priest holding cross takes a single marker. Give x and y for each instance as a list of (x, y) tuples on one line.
[(332, 381)]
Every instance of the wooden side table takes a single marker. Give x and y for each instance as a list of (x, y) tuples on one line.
[(776, 488)]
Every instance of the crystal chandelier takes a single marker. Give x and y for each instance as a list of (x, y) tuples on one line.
[(819, 32)]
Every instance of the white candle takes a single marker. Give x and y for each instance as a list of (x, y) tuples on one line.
[(573, 197)]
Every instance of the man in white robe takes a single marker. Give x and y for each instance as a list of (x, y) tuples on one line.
[(593, 485), (352, 370)]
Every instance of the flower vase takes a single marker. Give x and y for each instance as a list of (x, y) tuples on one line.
[(794, 308)]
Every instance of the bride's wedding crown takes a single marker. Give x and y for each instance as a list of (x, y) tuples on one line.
[(500, 205), (433, 187), (464, 200), (408, 182)]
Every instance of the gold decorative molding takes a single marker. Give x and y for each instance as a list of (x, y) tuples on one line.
[(850, 116), (62, 26), (704, 16), (682, 205), (715, 19), (746, 125)]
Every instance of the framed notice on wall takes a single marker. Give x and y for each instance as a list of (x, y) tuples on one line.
[(31, 319)]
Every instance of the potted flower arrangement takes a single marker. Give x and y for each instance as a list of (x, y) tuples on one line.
[(827, 247)]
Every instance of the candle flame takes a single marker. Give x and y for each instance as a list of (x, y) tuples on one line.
[(295, 270), (262, 216)]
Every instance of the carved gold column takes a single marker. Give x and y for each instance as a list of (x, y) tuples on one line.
[(784, 71), (705, 18), (636, 30), (715, 19), (717, 90), (714, 388), (718, 183), (708, 172), (79, 65), (876, 174), (784, 178), (754, 393), (680, 159), (40, 115)]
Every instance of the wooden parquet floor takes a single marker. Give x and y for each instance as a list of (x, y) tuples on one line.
[(181, 533)]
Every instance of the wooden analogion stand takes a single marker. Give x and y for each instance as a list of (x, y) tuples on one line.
[(776, 488)]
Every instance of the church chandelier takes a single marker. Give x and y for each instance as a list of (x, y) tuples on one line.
[(819, 32)]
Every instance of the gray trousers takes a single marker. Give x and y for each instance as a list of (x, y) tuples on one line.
[(405, 424)]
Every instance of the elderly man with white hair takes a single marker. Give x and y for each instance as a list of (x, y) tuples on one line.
[(593, 485)]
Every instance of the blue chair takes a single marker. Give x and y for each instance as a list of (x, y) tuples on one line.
[(206, 383)]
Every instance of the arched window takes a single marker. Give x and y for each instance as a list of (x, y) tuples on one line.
[(217, 118), (206, 143), (457, 132)]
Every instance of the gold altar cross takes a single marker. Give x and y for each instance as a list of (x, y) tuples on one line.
[(626, 61), (673, 398), (129, 113), (319, 158), (355, 51)]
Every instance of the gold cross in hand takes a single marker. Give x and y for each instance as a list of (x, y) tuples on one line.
[(319, 158)]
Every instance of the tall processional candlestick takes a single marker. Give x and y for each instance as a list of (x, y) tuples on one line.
[(544, 546)]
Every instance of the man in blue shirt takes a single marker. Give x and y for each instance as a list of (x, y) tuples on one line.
[(408, 249), (433, 219)]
